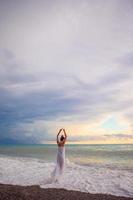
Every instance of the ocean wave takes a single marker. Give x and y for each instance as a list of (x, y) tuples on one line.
[(30, 171)]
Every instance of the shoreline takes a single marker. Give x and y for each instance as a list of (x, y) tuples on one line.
[(35, 192)]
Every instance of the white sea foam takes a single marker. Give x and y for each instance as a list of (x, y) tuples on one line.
[(29, 171)]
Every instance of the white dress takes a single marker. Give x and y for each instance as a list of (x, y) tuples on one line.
[(60, 162)]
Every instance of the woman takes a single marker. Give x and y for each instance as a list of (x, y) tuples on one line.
[(61, 153)]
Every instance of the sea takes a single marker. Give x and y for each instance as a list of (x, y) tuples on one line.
[(88, 168)]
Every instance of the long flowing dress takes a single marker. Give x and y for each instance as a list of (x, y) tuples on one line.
[(60, 162)]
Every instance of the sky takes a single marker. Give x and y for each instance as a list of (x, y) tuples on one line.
[(66, 64)]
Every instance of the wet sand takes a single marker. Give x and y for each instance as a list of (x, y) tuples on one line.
[(15, 192)]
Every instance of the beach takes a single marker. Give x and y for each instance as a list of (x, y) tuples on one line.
[(15, 192), (92, 169)]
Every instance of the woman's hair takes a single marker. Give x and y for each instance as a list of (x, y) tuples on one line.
[(62, 138)]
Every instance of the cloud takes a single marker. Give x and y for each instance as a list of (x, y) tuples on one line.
[(28, 100), (120, 136), (63, 62), (126, 61), (25, 100)]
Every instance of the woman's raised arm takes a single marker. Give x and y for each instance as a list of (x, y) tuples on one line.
[(58, 135), (65, 133)]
